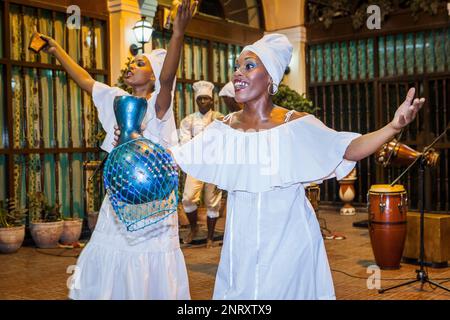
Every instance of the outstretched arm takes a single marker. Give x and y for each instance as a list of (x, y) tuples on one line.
[(170, 66), (367, 144), (77, 73)]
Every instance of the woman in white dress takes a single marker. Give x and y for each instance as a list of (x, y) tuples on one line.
[(263, 156), (113, 265)]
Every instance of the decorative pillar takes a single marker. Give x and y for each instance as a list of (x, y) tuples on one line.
[(293, 26), (123, 16), (347, 193), (296, 79)]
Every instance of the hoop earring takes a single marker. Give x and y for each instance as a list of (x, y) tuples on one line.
[(272, 93)]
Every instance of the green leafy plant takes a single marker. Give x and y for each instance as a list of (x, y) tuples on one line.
[(292, 100), (40, 210), (100, 136), (121, 81), (326, 12), (428, 6), (10, 216)]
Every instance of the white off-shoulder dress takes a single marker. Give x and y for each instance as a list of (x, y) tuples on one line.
[(273, 247), (117, 265)]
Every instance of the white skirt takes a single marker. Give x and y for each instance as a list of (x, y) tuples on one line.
[(109, 267)]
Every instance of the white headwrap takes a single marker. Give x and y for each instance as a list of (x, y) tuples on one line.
[(227, 90), (203, 88), (156, 58), (275, 52)]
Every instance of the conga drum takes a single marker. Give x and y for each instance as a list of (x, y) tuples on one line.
[(398, 154), (387, 206)]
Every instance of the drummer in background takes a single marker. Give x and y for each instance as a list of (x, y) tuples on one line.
[(190, 126), (227, 94)]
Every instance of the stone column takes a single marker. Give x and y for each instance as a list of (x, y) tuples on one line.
[(123, 16), (296, 79), (288, 17)]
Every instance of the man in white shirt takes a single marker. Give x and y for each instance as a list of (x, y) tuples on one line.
[(190, 126)]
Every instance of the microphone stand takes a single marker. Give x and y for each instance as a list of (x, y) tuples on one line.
[(422, 275)]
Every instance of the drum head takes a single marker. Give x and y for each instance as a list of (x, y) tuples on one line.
[(386, 188)]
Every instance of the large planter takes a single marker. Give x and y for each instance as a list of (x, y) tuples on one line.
[(11, 239), (71, 231), (46, 234)]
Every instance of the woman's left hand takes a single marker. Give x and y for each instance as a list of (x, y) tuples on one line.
[(407, 111)]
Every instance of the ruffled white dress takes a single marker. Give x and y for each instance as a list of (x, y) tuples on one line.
[(273, 247), (114, 265)]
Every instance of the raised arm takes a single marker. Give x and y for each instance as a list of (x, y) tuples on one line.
[(369, 143), (170, 66), (77, 73)]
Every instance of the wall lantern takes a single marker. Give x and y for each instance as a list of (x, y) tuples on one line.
[(143, 32)]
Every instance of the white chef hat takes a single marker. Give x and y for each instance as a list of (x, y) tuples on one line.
[(203, 88), (156, 59), (275, 52), (227, 90)]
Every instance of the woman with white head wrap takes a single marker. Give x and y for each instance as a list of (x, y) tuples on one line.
[(115, 265), (273, 247)]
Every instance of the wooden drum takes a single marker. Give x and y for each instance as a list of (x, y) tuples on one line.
[(387, 206), (398, 154)]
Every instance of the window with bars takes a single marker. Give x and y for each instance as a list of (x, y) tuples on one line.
[(359, 83), (49, 126)]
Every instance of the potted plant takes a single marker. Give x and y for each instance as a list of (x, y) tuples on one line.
[(71, 230), (12, 227), (46, 225), (123, 72), (93, 185), (291, 99)]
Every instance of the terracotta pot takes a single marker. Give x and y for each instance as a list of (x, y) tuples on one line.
[(71, 231), (11, 239), (92, 220), (46, 234)]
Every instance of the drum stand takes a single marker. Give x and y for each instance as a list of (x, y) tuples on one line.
[(422, 275)]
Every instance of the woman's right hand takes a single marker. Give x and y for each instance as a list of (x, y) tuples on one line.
[(116, 135), (51, 46)]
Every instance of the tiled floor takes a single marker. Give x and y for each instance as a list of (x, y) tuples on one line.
[(41, 274)]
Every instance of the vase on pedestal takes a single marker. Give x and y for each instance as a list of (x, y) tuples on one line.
[(347, 193)]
